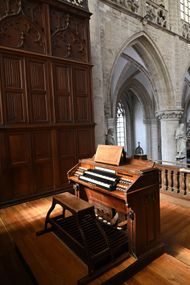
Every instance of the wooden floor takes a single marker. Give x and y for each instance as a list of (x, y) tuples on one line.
[(27, 218)]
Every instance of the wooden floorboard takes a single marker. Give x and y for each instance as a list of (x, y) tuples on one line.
[(28, 218), (175, 221)]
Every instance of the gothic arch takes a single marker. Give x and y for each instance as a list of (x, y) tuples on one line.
[(130, 90), (140, 69), (141, 93), (155, 68)]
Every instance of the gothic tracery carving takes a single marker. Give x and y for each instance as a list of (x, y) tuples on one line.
[(156, 13), (131, 5), (150, 12), (80, 3), (186, 30), (8, 8), (68, 36), (159, 2), (169, 114), (161, 18), (21, 25), (155, 10)]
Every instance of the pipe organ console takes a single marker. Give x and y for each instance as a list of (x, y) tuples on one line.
[(126, 186), (130, 187)]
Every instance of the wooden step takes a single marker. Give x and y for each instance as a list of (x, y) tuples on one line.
[(50, 260), (113, 271), (53, 263), (181, 253), (165, 270)]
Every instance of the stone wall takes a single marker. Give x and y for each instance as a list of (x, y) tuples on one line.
[(112, 29)]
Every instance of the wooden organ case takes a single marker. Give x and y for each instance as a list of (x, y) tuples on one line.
[(131, 188), (45, 94)]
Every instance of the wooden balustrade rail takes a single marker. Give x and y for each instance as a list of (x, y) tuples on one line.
[(174, 179)]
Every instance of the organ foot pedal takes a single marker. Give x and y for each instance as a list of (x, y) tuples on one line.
[(100, 245)]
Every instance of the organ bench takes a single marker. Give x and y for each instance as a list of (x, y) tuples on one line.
[(93, 240)]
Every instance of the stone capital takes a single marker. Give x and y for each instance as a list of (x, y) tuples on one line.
[(169, 115), (150, 121)]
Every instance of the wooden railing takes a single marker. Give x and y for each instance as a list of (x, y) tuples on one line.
[(174, 179)]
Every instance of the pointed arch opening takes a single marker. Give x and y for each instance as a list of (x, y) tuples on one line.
[(139, 83)]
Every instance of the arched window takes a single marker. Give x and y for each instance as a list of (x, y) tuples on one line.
[(185, 10), (121, 125)]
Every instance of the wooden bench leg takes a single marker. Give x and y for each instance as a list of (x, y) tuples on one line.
[(48, 213), (45, 230)]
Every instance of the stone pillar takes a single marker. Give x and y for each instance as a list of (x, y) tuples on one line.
[(97, 74), (169, 121), (153, 141), (148, 151)]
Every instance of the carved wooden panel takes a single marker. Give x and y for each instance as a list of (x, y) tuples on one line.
[(85, 142), (43, 164), (43, 176), (21, 25), (2, 152), (38, 94), (22, 181), (19, 149), (82, 95), (13, 89), (69, 35), (45, 95), (12, 67), (41, 143), (62, 93), (14, 104), (1, 111), (6, 192), (66, 141), (145, 220), (150, 205), (20, 164)]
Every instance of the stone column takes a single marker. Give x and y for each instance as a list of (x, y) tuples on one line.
[(97, 74), (148, 150), (169, 121), (153, 139)]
